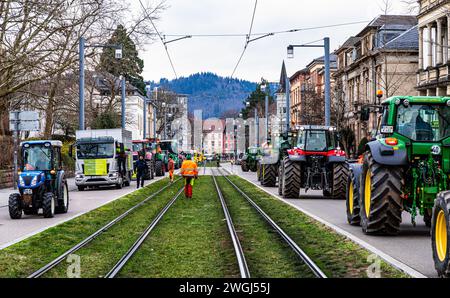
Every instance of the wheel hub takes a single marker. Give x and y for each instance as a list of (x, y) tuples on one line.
[(441, 236), (368, 193)]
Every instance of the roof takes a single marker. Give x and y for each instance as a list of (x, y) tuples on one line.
[(419, 99), (384, 20), (283, 77), (408, 40), (321, 60), (41, 142), (302, 71)]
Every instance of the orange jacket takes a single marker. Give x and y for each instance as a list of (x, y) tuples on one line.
[(171, 165), (189, 169)]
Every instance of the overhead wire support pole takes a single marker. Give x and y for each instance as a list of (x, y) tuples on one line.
[(327, 62)]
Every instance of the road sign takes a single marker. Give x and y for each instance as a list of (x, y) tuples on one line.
[(24, 121)]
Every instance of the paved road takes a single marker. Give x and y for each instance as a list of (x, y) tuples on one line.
[(12, 231), (412, 247)]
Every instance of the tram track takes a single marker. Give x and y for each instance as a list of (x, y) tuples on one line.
[(291, 243), (52, 264)]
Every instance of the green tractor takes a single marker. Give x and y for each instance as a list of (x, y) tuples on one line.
[(42, 182), (405, 168), (269, 163), (250, 160)]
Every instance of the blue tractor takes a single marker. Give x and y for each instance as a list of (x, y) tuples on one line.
[(42, 182)]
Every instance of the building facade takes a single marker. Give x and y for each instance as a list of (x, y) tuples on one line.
[(383, 56), (308, 93), (434, 48)]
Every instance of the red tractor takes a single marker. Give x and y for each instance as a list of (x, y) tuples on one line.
[(315, 163), (144, 148)]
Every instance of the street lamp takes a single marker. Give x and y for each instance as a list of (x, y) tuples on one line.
[(117, 55), (326, 46), (265, 89)]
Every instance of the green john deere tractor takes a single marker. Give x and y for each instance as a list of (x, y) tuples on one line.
[(250, 159), (404, 168), (269, 163)]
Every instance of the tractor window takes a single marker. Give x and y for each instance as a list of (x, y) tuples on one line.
[(385, 117), (37, 158), (313, 140), (423, 122), (138, 147)]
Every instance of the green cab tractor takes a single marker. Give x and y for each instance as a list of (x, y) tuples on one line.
[(42, 182), (269, 163), (404, 168), (250, 160)]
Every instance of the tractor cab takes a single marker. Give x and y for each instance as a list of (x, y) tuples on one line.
[(41, 181), (317, 141)]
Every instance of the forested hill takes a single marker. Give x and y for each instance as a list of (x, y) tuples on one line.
[(216, 96)]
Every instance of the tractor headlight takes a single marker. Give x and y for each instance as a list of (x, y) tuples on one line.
[(448, 103), (79, 176), (34, 181), (436, 150), (21, 182)]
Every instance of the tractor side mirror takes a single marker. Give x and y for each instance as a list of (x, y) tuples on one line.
[(365, 114)]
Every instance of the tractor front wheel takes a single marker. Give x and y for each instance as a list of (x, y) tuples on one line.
[(381, 202), (15, 206), (244, 166), (440, 234), (63, 199), (159, 168), (352, 194), (291, 178), (48, 205), (269, 175)]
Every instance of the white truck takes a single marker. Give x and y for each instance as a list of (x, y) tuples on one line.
[(103, 158)]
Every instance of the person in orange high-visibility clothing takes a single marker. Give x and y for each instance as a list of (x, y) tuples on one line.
[(171, 168), (189, 171)]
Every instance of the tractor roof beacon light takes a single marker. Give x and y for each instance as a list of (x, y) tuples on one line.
[(380, 93)]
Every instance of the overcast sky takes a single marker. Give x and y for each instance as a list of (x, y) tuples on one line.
[(264, 57)]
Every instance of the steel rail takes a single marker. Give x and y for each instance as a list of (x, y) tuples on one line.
[(127, 256), (89, 239), (303, 256), (243, 267)]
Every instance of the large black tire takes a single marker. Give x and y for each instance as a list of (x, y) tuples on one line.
[(244, 166), (269, 175), (291, 179), (63, 199), (352, 196), (340, 179), (15, 206), (48, 205), (280, 179), (384, 214), (258, 171), (440, 233), (159, 168)]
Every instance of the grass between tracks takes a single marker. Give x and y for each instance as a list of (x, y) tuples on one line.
[(334, 254), (23, 258), (190, 241), (267, 255)]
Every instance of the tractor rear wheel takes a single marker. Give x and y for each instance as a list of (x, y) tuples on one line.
[(280, 179), (244, 166), (159, 168), (15, 206), (440, 234), (340, 178), (381, 202), (269, 175), (258, 171), (63, 199), (291, 178), (48, 205), (353, 191)]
